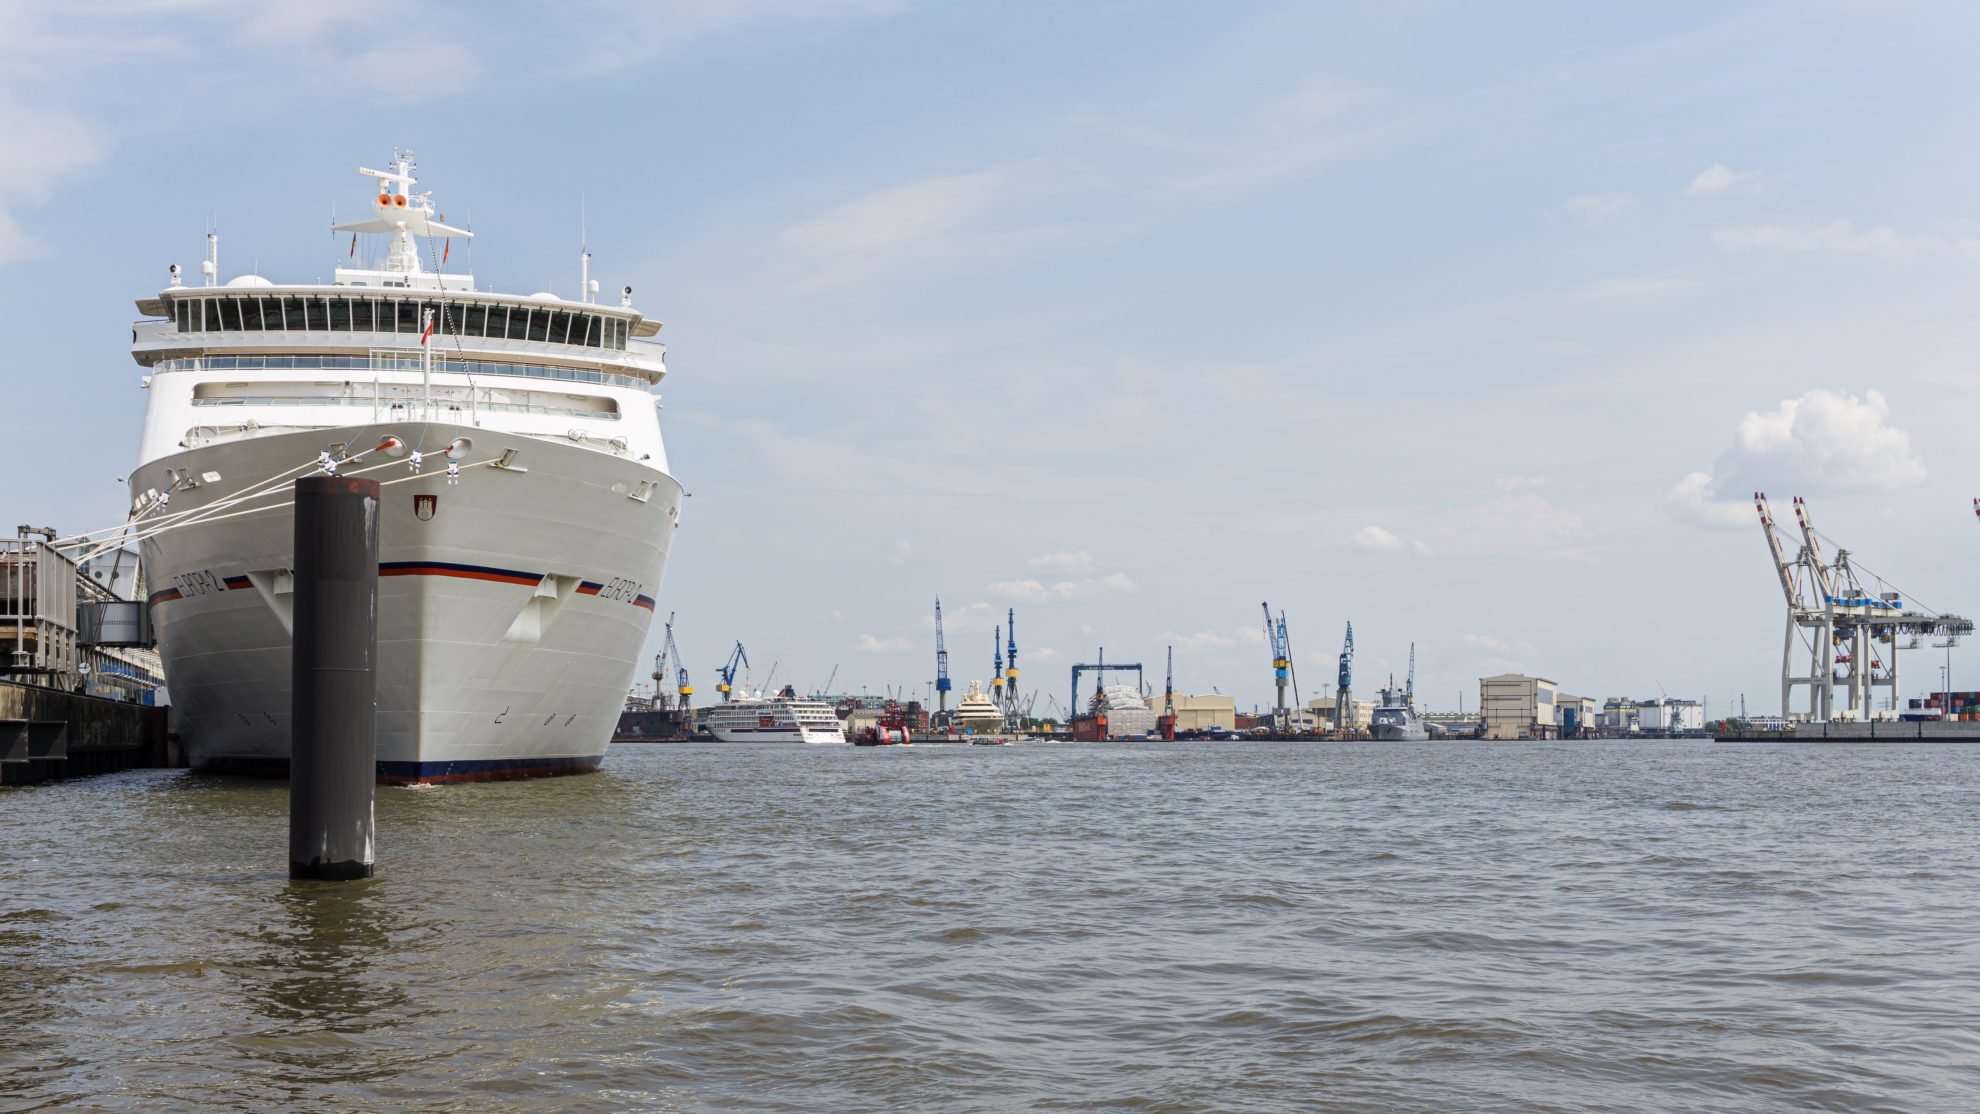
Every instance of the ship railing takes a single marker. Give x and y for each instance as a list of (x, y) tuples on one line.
[(383, 405), (398, 361)]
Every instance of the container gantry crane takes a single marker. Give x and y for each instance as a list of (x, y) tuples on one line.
[(737, 660), (941, 668)]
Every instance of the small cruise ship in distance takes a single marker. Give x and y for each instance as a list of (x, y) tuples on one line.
[(784, 718), (525, 513)]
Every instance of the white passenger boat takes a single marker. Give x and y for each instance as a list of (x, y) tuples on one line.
[(525, 515), (786, 718)]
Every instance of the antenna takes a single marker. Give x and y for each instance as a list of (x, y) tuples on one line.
[(211, 267)]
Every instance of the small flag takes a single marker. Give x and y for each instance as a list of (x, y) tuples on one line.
[(446, 248), (353, 245), (429, 329)]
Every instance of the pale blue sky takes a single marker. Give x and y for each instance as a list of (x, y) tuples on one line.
[(1133, 314)]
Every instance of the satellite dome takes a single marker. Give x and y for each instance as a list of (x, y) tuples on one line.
[(545, 296), (249, 280)]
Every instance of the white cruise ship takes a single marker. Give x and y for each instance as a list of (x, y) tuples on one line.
[(787, 718), (525, 514)]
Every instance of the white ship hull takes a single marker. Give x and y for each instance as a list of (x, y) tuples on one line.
[(776, 734), (512, 607)]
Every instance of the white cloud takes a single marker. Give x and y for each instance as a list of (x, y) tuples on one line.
[(915, 223), (1422, 548), (1717, 178), (1517, 522), (868, 644), (1072, 564), (1030, 590), (1837, 236), (39, 148), (1820, 442), (1601, 208), (1375, 539), (1211, 641), (1487, 654)]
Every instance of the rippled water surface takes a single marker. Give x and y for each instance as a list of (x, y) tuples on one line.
[(1682, 926)]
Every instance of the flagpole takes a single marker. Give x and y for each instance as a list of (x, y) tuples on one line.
[(426, 361)]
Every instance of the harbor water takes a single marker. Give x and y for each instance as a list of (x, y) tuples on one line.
[(1182, 927)]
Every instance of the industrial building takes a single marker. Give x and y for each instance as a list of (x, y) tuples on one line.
[(1515, 706), (1321, 710), (1577, 715), (1205, 713), (1663, 716)]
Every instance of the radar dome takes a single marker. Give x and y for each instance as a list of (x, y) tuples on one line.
[(249, 280)]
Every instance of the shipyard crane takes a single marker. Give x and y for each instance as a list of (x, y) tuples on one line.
[(1275, 637), (737, 660), (827, 690), (941, 668), (1344, 692), (1409, 686), (1010, 667), (997, 666), (660, 662), (682, 689), (1169, 699)]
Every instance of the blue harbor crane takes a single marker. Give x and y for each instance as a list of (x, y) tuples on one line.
[(1344, 694), (668, 650), (1010, 667), (1275, 636), (737, 659), (941, 668), (997, 665)]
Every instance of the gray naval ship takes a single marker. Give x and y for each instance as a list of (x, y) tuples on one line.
[(1396, 719)]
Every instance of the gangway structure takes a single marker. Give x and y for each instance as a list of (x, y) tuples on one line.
[(1851, 634)]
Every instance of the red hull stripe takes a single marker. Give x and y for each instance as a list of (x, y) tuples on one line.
[(644, 601), (465, 572), (235, 583), (589, 588), (166, 595)]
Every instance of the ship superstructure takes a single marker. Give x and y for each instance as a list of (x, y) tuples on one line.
[(787, 718), (525, 514)]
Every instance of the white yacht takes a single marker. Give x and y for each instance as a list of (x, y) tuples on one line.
[(785, 718), (977, 714), (525, 514)]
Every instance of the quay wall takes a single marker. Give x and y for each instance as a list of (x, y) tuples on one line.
[(47, 733)]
